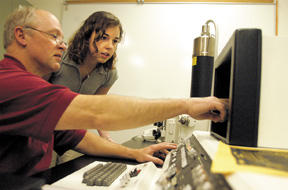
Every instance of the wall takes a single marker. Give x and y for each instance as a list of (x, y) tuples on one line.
[(54, 6), (7, 7), (283, 15), (155, 57)]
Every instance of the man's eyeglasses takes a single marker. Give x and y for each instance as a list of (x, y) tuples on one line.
[(55, 37)]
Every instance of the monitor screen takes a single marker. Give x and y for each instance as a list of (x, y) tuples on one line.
[(237, 78)]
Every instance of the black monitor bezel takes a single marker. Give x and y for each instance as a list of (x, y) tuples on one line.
[(244, 48)]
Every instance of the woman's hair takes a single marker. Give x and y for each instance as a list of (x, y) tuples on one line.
[(20, 17), (98, 22)]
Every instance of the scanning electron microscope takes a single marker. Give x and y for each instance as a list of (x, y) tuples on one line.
[(174, 129), (177, 128)]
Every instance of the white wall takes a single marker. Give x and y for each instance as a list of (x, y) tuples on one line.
[(54, 6), (283, 15), (155, 57)]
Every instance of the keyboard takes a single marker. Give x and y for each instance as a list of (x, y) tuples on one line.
[(103, 174), (188, 168)]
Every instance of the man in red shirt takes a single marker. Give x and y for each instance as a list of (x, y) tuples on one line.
[(36, 116)]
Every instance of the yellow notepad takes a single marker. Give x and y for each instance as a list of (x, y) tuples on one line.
[(230, 159)]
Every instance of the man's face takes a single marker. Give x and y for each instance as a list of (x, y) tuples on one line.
[(45, 46)]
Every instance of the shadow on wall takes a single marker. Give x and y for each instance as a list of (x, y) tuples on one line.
[(6, 7)]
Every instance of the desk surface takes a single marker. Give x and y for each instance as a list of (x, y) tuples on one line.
[(58, 172), (238, 180)]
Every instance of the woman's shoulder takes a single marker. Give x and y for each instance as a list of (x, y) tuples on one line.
[(113, 74), (67, 61), (113, 71)]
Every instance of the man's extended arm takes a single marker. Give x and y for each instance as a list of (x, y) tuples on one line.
[(111, 112)]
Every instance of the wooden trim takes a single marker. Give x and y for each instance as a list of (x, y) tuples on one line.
[(218, 1), (168, 1), (276, 24), (98, 1)]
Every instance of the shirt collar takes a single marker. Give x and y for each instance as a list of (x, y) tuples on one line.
[(68, 61), (15, 61)]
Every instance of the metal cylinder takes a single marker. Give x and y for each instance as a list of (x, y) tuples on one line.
[(204, 46), (203, 64), (202, 74)]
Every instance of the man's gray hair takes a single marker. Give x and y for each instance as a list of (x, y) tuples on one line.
[(20, 17)]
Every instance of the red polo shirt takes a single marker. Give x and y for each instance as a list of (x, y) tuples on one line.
[(30, 108)]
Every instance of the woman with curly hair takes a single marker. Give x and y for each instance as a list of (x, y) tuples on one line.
[(88, 66)]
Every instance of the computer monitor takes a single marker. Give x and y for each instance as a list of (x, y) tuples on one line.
[(238, 78)]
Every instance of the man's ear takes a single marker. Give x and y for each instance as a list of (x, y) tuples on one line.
[(20, 36)]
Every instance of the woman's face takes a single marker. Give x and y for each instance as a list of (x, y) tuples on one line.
[(107, 45)]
